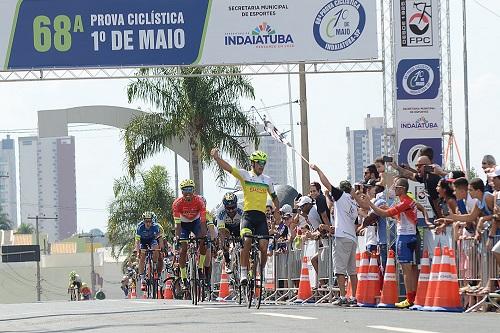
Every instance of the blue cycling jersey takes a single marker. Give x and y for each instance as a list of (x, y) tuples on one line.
[(144, 234)]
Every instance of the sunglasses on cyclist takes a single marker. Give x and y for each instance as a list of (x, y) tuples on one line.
[(261, 163), (187, 189)]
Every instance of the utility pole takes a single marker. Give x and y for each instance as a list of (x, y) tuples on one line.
[(304, 132), (292, 125), (38, 277), (92, 272)]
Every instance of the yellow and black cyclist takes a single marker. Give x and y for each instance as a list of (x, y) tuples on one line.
[(256, 187)]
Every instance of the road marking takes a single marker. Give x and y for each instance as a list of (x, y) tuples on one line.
[(282, 315), (210, 308), (400, 329)]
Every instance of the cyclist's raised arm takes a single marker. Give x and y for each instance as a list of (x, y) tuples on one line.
[(222, 163)]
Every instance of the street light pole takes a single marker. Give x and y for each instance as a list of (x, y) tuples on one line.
[(92, 267), (466, 91), (304, 132)]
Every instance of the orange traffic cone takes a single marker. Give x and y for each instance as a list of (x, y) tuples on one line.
[(373, 285), (446, 287), (456, 300), (390, 288), (224, 285), (167, 292), (133, 293), (305, 291), (433, 280), (362, 287), (348, 293), (423, 281)]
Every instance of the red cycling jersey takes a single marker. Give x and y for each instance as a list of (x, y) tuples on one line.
[(188, 211)]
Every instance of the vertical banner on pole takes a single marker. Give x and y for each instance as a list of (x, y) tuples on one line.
[(417, 82)]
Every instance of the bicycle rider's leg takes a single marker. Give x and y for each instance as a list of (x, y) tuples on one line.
[(200, 230), (156, 250), (245, 253), (142, 259), (208, 264), (184, 233), (223, 236), (262, 230)]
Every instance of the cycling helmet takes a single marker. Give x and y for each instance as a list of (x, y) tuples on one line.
[(258, 156), (72, 275), (186, 183), (230, 199), (147, 215)]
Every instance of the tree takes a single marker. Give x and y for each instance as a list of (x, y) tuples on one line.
[(5, 223), (25, 229), (147, 192), (202, 107)]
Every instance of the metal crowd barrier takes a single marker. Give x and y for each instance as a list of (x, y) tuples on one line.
[(282, 274)]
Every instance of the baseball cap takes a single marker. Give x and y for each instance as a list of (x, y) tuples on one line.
[(345, 186), (495, 173), (286, 209), (304, 200)]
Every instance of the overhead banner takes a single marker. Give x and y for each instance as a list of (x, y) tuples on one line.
[(417, 83), (37, 34)]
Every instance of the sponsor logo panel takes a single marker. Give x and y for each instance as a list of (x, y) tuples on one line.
[(418, 79), (416, 23)]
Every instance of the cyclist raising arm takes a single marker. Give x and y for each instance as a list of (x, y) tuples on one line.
[(256, 186), (190, 217)]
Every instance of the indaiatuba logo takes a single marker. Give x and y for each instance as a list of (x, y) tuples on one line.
[(262, 36), (339, 24), (420, 123)]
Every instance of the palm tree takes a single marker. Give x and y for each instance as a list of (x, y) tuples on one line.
[(5, 223), (25, 229), (200, 105), (148, 192)]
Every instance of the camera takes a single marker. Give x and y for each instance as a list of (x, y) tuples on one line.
[(428, 169), (387, 159), (357, 187)]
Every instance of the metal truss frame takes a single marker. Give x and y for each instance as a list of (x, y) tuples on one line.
[(361, 66)]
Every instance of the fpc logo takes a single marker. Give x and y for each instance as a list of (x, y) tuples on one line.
[(339, 24), (416, 23), (418, 79)]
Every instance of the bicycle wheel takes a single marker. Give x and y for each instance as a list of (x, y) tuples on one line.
[(236, 278), (194, 280), (258, 281)]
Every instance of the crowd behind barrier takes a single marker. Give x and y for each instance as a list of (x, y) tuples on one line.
[(475, 265)]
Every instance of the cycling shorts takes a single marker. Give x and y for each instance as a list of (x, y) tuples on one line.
[(408, 249), (77, 284), (234, 229), (191, 227), (254, 222), (151, 243)]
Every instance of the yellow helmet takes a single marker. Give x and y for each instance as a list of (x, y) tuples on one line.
[(258, 155), (186, 183)]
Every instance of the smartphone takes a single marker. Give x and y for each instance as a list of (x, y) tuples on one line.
[(387, 159), (428, 168), (357, 186)]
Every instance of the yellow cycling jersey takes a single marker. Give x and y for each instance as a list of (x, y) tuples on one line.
[(255, 189)]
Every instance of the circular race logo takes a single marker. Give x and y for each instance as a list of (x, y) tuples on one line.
[(339, 24), (418, 79), (419, 23), (413, 155)]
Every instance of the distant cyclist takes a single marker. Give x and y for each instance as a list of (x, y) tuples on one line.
[(228, 217), (256, 187), (147, 234), (75, 281), (190, 217)]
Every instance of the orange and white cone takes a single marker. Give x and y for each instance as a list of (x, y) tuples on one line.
[(223, 286), (433, 280), (133, 293), (423, 281), (390, 287), (447, 287), (373, 285), (305, 291), (362, 287), (167, 292)]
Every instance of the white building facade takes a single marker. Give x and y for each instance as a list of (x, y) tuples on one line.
[(47, 181), (8, 188)]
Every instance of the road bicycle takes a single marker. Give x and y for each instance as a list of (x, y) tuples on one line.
[(255, 283)]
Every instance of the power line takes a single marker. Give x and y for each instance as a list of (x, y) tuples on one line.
[(486, 8)]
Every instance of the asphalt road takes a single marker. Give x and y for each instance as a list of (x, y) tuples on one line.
[(180, 316)]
